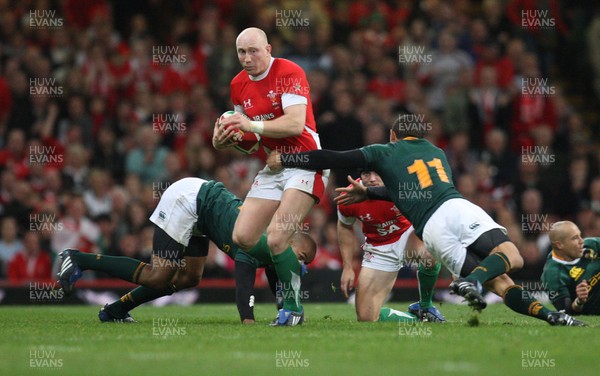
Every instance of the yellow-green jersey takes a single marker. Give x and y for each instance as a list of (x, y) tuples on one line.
[(217, 210), (561, 277), (417, 175)]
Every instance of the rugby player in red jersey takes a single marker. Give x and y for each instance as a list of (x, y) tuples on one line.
[(274, 95), (390, 242)]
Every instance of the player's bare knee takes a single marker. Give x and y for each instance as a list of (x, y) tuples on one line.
[(244, 241), (366, 314)]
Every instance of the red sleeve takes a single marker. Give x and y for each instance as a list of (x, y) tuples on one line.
[(293, 81)]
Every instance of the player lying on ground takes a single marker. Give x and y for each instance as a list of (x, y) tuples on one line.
[(573, 270), (274, 93), (461, 235), (190, 212), (389, 240)]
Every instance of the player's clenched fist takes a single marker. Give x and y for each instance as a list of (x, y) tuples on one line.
[(582, 291)]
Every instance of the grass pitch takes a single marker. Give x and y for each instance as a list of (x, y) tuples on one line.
[(207, 339)]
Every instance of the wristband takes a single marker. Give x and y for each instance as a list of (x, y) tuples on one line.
[(578, 302), (257, 127)]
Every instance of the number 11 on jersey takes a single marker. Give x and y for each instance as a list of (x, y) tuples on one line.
[(420, 168)]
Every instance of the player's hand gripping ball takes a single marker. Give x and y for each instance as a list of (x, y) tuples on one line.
[(247, 142)]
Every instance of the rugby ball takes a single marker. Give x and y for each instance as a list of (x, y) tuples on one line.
[(247, 142)]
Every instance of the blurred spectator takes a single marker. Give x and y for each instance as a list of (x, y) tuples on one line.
[(533, 218), (574, 190), (14, 156), (78, 121), (97, 197), (387, 83), (129, 246), (446, 64), (496, 20), (106, 154), (107, 242), (21, 204), (136, 218), (456, 109), (532, 105), (31, 263), (10, 243), (76, 230), (222, 65), (500, 157), (147, 159), (490, 104), (460, 157), (76, 170)]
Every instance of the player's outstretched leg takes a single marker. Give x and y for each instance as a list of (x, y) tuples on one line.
[(74, 262), (522, 302), (186, 277), (503, 258)]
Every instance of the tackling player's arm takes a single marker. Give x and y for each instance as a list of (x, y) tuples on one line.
[(318, 159), (245, 274)]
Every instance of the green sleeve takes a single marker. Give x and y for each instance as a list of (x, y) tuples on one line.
[(556, 281), (374, 152)]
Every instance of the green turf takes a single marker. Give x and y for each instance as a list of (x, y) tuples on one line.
[(208, 340)]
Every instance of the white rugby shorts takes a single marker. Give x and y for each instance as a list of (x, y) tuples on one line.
[(176, 211), (270, 185), (386, 257), (454, 226)]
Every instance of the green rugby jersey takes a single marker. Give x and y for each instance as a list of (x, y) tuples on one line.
[(417, 175), (561, 277), (217, 210)]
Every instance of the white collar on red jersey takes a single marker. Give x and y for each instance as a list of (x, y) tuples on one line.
[(264, 74)]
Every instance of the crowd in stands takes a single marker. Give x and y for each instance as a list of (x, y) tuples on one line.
[(104, 103)]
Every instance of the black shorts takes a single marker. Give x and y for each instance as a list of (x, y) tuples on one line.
[(481, 248), (168, 248)]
